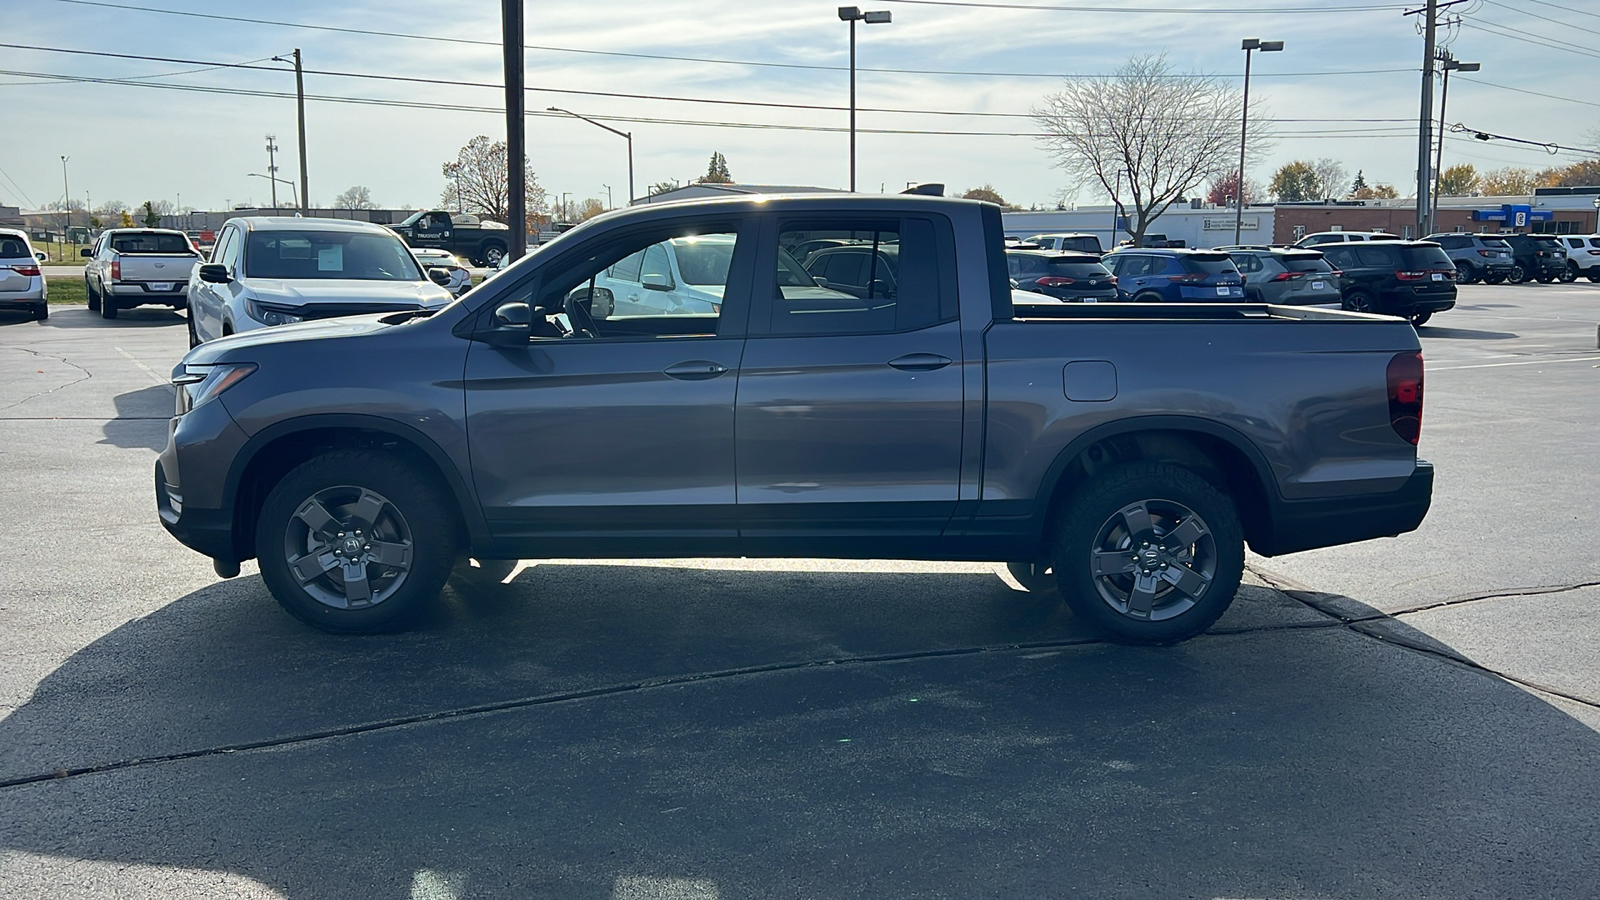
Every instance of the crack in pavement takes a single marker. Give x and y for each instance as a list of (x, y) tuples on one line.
[(86, 376), (611, 690), (1344, 609)]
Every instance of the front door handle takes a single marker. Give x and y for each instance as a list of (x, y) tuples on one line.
[(694, 370), (920, 362)]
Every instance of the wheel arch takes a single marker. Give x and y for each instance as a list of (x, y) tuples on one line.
[(272, 452), (1215, 452)]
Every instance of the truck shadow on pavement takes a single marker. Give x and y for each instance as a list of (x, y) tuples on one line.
[(137, 317), (1439, 331), (600, 731)]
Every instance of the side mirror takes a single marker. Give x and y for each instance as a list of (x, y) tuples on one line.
[(439, 276), (215, 273), (85, 252), (42, 256), (512, 326), (657, 283), (821, 282)]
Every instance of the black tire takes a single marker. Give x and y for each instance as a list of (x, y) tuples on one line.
[(1497, 278), (1358, 301), (1037, 577), (1466, 273), (1569, 274), (1147, 297), (92, 295), (1418, 319), (482, 574), (41, 311), (332, 508), (194, 336), (1518, 275), (1149, 534), (1594, 275), (108, 307), (1546, 279)]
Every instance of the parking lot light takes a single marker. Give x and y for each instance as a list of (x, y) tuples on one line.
[(1247, 45), (626, 134), (853, 14), (1449, 64)]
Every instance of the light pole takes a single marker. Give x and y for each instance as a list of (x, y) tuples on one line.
[(66, 199), (608, 195), (272, 168), (1247, 45), (1449, 64), (565, 216), (626, 134), (275, 181), (853, 14)]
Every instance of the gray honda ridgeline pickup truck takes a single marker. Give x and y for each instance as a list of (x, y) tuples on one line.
[(899, 402)]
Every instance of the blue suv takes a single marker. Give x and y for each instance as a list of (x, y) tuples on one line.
[(1175, 276)]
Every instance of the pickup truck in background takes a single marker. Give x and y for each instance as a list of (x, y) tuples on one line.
[(130, 267), (483, 242), (1120, 455)]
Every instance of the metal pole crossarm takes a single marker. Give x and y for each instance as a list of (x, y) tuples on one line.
[(626, 134)]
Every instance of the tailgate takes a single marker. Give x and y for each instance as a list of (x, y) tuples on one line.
[(154, 267)]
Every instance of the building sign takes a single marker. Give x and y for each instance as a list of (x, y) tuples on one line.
[(1516, 215), (1248, 223)]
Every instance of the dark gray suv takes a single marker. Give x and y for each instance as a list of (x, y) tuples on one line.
[(1478, 257)]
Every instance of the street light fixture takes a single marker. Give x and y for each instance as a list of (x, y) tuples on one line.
[(1449, 64), (1247, 45), (853, 14), (276, 181), (626, 134)]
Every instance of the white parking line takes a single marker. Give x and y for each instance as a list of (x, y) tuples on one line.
[(147, 370), (1531, 362)]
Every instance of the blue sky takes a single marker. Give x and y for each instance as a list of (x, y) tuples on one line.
[(134, 143)]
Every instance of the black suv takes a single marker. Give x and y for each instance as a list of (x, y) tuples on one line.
[(1409, 279), (1065, 276), (1540, 256)]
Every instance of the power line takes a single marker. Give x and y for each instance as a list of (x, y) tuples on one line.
[(652, 120), (1544, 18), (1504, 87), (611, 94), (1166, 10), (1581, 12), (18, 188), (670, 58), (1531, 38), (1548, 146)]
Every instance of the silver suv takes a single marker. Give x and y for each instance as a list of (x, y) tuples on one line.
[(21, 282), (1478, 257)]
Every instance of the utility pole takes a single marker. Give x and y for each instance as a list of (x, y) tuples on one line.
[(1430, 26), (66, 197), (272, 170), (516, 124), (300, 97)]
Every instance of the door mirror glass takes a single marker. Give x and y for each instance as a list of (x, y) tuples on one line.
[(86, 252), (513, 315), (214, 273), (657, 283), (439, 276)]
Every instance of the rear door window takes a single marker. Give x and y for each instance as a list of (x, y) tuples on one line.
[(1377, 256), (898, 277)]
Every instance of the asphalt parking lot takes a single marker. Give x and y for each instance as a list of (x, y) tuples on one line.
[(1414, 717)]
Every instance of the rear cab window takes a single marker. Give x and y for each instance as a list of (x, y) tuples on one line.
[(152, 243)]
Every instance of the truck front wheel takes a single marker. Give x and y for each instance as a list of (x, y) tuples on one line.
[(355, 541), (1149, 553)]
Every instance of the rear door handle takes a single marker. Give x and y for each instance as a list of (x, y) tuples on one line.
[(920, 362), (694, 370)]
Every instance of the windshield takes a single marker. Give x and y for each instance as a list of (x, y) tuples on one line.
[(412, 219), (1210, 263), (329, 255), (1071, 268), (1306, 264), (151, 243), (703, 262)]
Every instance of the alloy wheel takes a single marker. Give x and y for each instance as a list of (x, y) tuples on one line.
[(348, 547), (1153, 560)]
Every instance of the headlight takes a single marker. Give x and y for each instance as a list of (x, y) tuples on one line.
[(272, 315), (199, 382)]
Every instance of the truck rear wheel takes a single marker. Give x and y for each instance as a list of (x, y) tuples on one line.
[(108, 306), (1149, 553), (492, 255)]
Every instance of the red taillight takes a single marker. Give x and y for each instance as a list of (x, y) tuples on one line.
[(116, 271), (1411, 276), (1336, 273), (1288, 276), (27, 270), (1053, 280), (1111, 280), (1405, 395), (1485, 252), (1188, 277)]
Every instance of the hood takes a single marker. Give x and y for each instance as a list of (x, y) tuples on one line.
[(303, 291), (227, 348)]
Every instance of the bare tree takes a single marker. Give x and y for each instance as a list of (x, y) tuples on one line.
[(479, 181), (1165, 133), (357, 197), (1331, 178), (588, 209)]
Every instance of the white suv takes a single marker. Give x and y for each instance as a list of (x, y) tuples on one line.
[(1583, 255), (277, 271), (1336, 237)]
